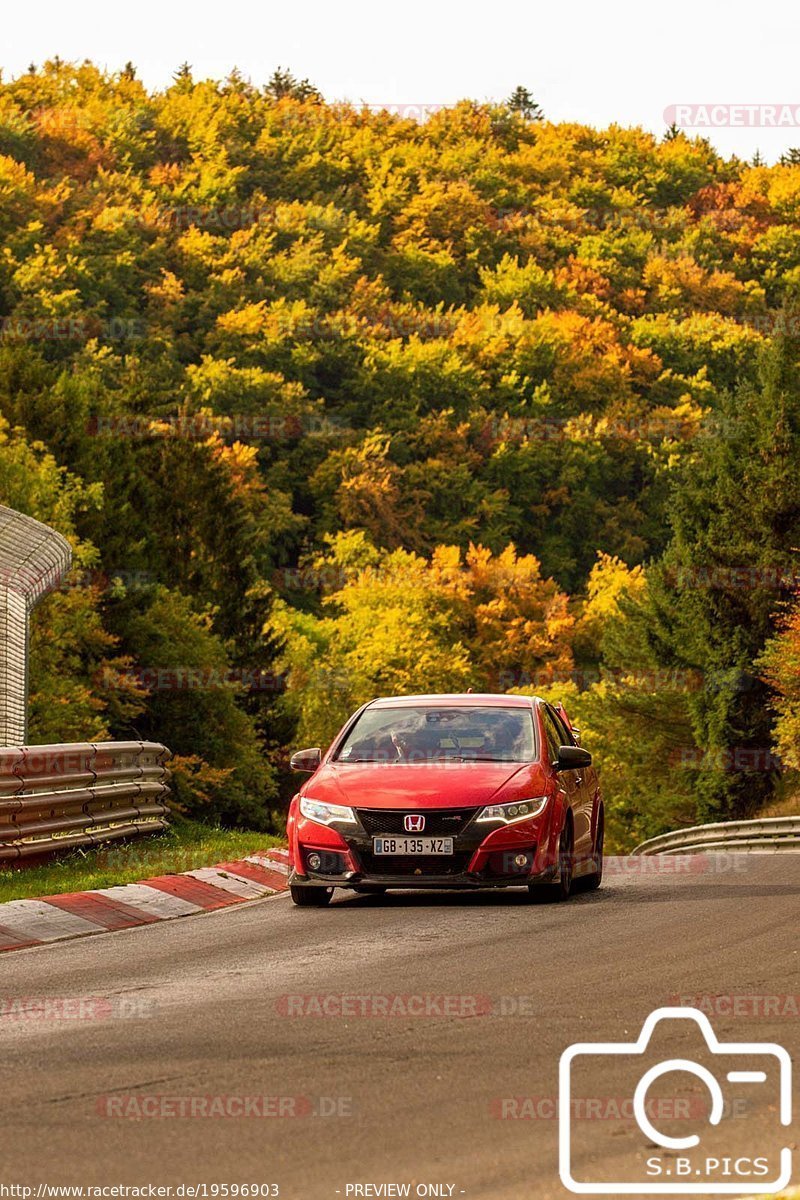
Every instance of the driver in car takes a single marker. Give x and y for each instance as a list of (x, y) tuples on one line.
[(416, 745)]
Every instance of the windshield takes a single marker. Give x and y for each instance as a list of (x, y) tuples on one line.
[(436, 734)]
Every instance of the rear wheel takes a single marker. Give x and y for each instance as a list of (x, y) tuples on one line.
[(554, 893), (310, 897), (590, 883)]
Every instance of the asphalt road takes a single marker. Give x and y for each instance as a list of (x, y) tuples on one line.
[(197, 1010)]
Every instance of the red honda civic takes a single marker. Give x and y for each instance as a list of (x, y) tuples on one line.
[(462, 791)]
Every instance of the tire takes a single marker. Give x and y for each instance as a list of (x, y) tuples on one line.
[(556, 893), (590, 883), (369, 889), (310, 897)]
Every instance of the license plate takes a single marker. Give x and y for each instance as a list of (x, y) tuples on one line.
[(412, 845)]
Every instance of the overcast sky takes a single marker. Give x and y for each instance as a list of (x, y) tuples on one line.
[(609, 60)]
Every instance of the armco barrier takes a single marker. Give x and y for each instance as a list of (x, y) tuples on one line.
[(33, 560), (58, 797), (769, 835)]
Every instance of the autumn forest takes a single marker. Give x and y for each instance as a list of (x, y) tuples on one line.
[(333, 403)]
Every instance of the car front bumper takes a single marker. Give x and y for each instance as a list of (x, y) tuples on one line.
[(460, 882), (509, 856)]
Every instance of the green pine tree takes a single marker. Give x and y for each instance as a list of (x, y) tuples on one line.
[(521, 101), (182, 78), (728, 570), (282, 83)]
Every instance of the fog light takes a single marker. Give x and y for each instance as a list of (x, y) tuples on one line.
[(521, 860), (314, 862)]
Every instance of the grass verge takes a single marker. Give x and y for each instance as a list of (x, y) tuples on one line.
[(186, 845), (789, 806)]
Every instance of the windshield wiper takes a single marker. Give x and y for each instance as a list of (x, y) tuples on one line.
[(477, 758)]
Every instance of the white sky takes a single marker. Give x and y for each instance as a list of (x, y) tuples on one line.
[(594, 62)]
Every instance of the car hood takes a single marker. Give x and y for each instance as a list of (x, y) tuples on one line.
[(422, 785)]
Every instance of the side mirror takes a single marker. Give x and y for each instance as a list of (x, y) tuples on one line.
[(306, 760), (572, 758)]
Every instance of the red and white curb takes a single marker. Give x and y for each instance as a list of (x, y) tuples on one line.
[(78, 914)]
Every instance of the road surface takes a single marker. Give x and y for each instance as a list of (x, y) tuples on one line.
[(195, 1012)]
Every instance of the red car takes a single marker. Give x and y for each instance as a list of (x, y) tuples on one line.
[(461, 791)]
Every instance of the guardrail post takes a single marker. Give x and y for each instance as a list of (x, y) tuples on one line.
[(33, 560)]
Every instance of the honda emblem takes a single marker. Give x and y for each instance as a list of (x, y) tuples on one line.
[(414, 823)]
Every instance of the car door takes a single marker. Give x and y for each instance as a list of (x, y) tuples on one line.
[(566, 779), (575, 784)]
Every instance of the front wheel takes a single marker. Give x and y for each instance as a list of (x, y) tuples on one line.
[(310, 897), (555, 893)]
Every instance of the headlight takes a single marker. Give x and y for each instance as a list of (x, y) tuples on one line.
[(519, 810), (326, 814)]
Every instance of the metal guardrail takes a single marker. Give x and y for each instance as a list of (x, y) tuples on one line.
[(33, 560), (59, 797), (767, 836)]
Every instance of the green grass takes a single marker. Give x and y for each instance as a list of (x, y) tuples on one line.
[(186, 845), (788, 806)]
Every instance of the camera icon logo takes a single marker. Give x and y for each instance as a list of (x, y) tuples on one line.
[(679, 1165)]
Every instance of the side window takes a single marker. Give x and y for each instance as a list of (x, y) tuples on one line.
[(557, 730), (563, 732), (552, 734)]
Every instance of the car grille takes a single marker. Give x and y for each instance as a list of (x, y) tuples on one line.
[(441, 822), (414, 865)]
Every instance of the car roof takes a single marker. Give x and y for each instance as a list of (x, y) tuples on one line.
[(455, 700)]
